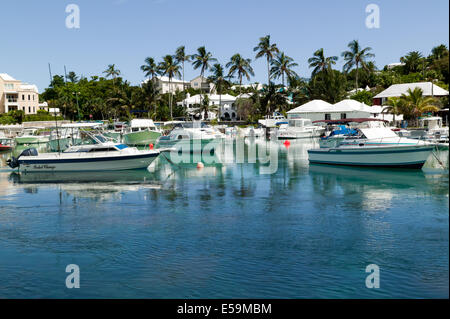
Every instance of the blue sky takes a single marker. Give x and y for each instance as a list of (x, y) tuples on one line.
[(124, 32)]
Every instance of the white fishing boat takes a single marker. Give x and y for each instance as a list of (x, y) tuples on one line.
[(141, 132), (95, 154), (31, 136), (276, 119), (371, 147), (299, 128)]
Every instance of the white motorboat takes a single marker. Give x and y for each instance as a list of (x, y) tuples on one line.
[(31, 136), (299, 128), (96, 154), (274, 120), (371, 147)]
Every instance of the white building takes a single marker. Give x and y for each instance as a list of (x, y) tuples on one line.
[(396, 90), (164, 86), (224, 103), (318, 110)]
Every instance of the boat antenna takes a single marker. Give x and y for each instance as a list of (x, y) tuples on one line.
[(54, 109)]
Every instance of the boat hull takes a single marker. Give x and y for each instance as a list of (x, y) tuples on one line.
[(31, 140), (69, 162), (141, 138), (394, 157), (298, 135)]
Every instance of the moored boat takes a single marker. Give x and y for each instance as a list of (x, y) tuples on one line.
[(141, 132), (6, 143), (31, 136), (98, 155), (299, 128), (371, 147)]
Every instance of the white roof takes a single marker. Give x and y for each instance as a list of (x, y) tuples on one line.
[(397, 90), (195, 99), (29, 87), (311, 107), (7, 77), (79, 125), (142, 123), (173, 80), (350, 105)]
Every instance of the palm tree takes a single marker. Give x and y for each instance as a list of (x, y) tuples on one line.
[(413, 61), (356, 57), (241, 66), (265, 48), (414, 104), (150, 68), (72, 77), (202, 60), (439, 52), (219, 79), (393, 107), (111, 71), (282, 66), (151, 95), (320, 63), (169, 67), (205, 107), (272, 100), (181, 57)]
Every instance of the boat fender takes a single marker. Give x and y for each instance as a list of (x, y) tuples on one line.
[(150, 146)]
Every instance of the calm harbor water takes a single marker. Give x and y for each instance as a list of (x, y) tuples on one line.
[(227, 230)]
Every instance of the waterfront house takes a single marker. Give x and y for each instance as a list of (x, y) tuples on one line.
[(16, 95), (224, 103), (317, 110), (396, 90)]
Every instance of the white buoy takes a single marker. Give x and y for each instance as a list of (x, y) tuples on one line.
[(200, 165)]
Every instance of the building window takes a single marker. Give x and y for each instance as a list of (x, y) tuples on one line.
[(327, 117), (29, 97), (33, 97), (29, 109), (9, 86), (343, 116), (34, 109), (23, 97)]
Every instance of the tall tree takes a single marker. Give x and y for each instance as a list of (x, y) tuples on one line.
[(111, 71), (413, 61), (241, 66), (356, 57), (182, 57), (202, 60), (282, 67), (218, 78), (320, 63), (268, 50), (170, 67), (150, 68), (72, 77)]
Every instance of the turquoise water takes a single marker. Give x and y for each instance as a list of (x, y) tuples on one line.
[(227, 230)]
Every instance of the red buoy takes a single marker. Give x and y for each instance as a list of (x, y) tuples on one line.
[(287, 144), (151, 146)]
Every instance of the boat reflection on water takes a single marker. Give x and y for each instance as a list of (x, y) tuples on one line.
[(377, 183)]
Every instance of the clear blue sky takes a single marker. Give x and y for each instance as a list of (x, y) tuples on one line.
[(124, 32)]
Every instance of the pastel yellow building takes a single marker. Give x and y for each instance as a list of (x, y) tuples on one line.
[(16, 95)]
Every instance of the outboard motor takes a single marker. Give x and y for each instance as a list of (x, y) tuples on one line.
[(14, 162)]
